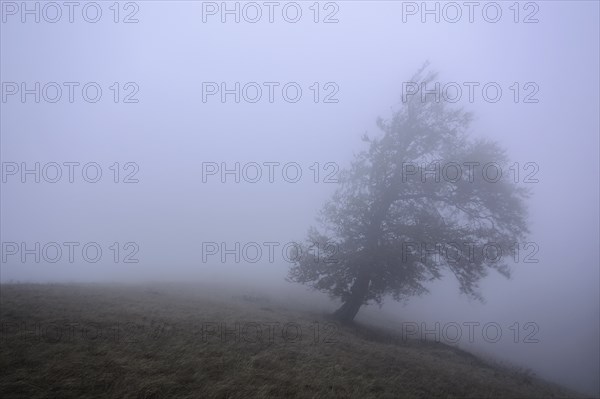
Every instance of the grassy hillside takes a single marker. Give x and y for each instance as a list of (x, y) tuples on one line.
[(187, 341)]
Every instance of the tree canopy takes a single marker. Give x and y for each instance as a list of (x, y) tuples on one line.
[(423, 197)]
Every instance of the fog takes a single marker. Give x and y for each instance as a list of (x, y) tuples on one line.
[(173, 137)]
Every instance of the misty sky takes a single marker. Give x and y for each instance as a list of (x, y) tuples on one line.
[(359, 64)]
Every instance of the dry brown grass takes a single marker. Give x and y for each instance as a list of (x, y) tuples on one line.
[(162, 350)]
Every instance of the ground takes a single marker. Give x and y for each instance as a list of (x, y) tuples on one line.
[(192, 341)]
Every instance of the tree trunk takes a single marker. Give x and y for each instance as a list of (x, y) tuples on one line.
[(349, 309), (360, 287)]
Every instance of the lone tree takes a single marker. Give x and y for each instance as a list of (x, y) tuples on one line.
[(423, 198)]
